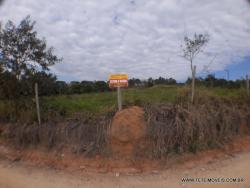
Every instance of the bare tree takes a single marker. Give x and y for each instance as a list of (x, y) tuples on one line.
[(191, 49)]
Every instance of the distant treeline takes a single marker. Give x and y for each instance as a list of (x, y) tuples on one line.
[(49, 85), (211, 81)]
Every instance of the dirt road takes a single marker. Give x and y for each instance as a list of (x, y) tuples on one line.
[(21, 175)]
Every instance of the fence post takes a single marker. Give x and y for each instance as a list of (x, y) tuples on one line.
[(247, 84), (37, 104), (119, 98)]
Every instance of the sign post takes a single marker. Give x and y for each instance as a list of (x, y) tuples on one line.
[(119, 98), (37, 104), (247, 84), (118, 81)]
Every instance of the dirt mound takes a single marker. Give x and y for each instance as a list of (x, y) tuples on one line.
[(128, 130)]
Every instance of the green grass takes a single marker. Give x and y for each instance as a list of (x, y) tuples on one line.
[(227, 93), (222, 93), (107, 101), (157, 94), (92, 102)]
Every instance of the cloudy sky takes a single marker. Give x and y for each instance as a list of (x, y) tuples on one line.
[(140, 37)]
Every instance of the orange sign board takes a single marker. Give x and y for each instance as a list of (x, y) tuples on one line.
[(118, 80)]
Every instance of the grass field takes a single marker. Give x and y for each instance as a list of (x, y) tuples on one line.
[(105, 102), (101, 103)]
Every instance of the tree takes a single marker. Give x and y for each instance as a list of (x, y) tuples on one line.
[(75, 87), (22, 53), (134, 82), (61, 87), (209, 80), (150, 82), (191, 49), (46, 82), (101, 86), (171, 81), (7, 88), (87, 86)]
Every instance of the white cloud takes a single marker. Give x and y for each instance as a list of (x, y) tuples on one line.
[(138, 37)]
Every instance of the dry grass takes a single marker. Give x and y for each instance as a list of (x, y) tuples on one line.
[(183, 127), (83, 135)]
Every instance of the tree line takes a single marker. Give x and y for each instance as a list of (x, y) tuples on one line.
[(49, 85)]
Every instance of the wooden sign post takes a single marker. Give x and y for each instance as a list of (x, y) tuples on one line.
[(118, 81), (119, 98), (37, 104), (247, 84)]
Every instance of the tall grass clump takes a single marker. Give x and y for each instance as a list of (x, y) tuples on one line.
[(185, 127)]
